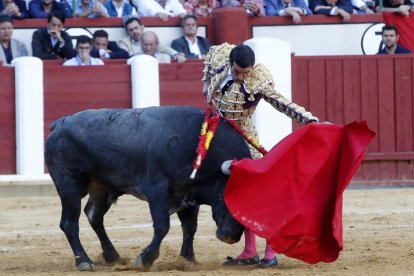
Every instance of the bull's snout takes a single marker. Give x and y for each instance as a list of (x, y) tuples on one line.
[(230, 237), (227, 239)]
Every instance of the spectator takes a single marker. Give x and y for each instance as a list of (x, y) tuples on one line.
[(83, 56), (253, 7), (191, 45), (200, 7), (42, 8), (150, 44), (341, 8), (160, 8), (52, 42), (90, 9), (103, 48), (15, 9), (133, 44), (119, 8), (292, 8), (390, 41), (361, 6), (10, 48), (402, 7)]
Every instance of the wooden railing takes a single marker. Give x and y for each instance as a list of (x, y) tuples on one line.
[(376, 89)]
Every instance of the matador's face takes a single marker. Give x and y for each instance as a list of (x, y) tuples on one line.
[(239, 73)]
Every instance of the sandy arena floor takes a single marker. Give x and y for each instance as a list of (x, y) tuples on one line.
[(378, 239)]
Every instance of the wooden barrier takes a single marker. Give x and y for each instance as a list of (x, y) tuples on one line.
[(377, 89), (7, 121), (69, 89)]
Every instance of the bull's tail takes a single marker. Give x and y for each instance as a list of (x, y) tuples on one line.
[(57, 123)]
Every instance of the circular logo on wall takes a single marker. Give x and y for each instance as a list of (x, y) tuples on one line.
[(371, 40)]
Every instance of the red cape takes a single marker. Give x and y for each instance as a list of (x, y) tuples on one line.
[(292, 196)]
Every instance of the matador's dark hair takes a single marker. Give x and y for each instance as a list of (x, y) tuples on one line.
[(242, 55)]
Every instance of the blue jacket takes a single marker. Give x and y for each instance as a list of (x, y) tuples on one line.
[(127, 9), (36, 9), (398, 50), (21, 4), (116, 51), (346, 5), (274, 7)]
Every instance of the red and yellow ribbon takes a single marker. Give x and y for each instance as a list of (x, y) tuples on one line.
[(208, 129)]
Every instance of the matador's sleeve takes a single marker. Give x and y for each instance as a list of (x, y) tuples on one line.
[(277, 100)]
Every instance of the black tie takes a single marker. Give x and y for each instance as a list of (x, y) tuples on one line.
[(226, 86)]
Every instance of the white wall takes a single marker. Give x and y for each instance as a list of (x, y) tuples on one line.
[(328, 39)]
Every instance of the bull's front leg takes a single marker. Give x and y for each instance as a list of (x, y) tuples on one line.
[(188, 218), (158, 204)]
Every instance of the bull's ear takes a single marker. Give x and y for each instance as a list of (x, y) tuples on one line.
[(225, 167)]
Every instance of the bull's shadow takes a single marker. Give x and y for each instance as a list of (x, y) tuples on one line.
[(147, 153)]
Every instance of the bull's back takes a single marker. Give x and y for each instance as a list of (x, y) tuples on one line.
[(121, 145)]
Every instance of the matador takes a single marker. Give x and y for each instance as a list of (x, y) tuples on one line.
[(234, 85)]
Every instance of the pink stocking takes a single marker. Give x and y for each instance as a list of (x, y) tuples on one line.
[(249, 250), (269, 253)]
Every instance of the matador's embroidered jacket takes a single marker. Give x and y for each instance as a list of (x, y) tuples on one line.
[(240, 100)]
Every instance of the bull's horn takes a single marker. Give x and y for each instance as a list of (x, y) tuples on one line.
[(225, 167)]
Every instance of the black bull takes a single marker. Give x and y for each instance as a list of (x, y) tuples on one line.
[(147, 153)]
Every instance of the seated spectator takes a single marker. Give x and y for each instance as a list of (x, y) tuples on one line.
[(292, 8), (253, 7), (42, 8), (119, 8), (159, 8), (133, 44), (83, 56), (52, 42), (200, 7), (15, 9), (103, 48), (341, 8), (90, 9), (191, 45), (361, 6), (402, 7), (150, 44), (11, 48), (390, 41)]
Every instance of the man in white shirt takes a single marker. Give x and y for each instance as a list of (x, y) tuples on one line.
[(83, 56), (191, 45), (161, 8)]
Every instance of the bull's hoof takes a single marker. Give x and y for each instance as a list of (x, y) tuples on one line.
[(185, 265), (83, 263), (85, 266), (111, 257), (140, 266)]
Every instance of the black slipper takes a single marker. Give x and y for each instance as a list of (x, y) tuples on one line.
[(230, 261), (268, 263)]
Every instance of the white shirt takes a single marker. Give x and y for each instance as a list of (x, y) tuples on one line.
[(152, 7), (194, 49), (76, 61)]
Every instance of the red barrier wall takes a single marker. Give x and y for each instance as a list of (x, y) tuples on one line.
[(180, 84), (69, 89), (7, 121), (377, 89)]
